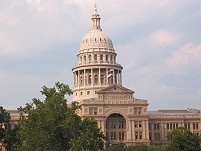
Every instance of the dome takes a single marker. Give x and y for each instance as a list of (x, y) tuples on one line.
[(96, 38)]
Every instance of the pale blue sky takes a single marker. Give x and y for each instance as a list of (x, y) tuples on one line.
[(158, 43)]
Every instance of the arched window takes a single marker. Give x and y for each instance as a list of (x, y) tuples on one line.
[(111, 58), (96, 78), (102, 78), (95, 57), (80, 59), (84, 58), (106, 57), (101, 57), (89, 57)]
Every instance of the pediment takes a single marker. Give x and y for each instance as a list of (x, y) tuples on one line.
[(115, 89)]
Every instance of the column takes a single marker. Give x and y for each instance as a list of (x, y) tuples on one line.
[(78, 78), (92, 76), (117, 76), (106, 75), (113, 76), (129, 130), (143, 130), (121, 77), (74, 79), (99, 76), (152, 132), (147, 130), (133, 130), (84, 78)]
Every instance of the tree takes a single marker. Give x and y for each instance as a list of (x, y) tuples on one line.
[(51, 125), (117, 147), (182, 139), (7, 135), (139, 147)]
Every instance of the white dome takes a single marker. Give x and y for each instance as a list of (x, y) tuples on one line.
[(96, 39)]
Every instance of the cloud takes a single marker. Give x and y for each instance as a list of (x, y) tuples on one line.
[(163, 37)]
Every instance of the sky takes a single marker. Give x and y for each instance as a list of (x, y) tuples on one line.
[(158, 43)]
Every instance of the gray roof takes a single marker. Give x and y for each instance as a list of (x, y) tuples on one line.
[(187, 111)]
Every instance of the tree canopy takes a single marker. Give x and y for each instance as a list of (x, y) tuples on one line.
[(7, 135), (50, 125), (183, 139)]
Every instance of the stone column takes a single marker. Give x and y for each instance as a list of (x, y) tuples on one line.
[(129, 130), (143, 130), (147, 130), (113, 76), (78, 78), (84, 78), (99, 76), (133, 130), (117, 76), (120, 77), (106, 75), (92, 76), (152, 131)]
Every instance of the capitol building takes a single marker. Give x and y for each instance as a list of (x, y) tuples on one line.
[(98, 88)]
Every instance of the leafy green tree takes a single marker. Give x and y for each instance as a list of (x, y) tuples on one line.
[(7, 135), (183, 139), (140, 147), (89, 131), (117, 147), (51, 125)]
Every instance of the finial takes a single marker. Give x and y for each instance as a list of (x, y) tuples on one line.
[(95, 19), (95, 9)]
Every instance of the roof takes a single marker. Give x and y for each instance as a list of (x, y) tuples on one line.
[(184, 111)]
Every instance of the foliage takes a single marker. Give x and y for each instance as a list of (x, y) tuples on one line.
[(140, 147), (183, 139), (7, 135), (51, 125), (88, 132), (118, 147)]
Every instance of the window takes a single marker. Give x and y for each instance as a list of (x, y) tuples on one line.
[(89, 57), (195, 125), (187, 125), (121, 124), (111, 58), (89, 79), (81, 93), (140, 135), (137, 110), (106, 57), (101, 57), (96, 78), (88, 92), (102, 78), (136, 135), (93, 110), (84, 58), (95, 57), (81, 80)]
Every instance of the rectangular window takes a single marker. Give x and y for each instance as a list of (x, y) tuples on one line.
[(93, 111)]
